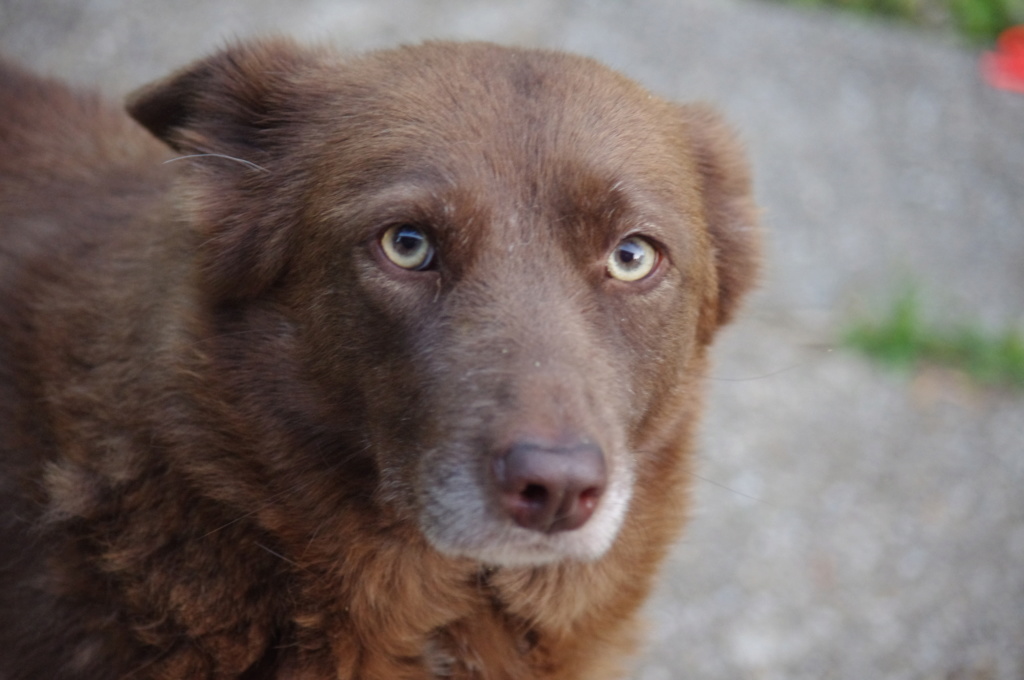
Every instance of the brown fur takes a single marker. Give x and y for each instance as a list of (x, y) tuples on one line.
[(237, 443)]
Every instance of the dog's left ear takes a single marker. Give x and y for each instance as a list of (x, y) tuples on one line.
[(729, 207)]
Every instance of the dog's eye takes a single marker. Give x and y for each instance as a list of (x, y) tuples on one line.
[(633, 259), (408, 247)]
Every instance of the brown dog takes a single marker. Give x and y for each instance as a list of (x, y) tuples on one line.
[(390, 372)]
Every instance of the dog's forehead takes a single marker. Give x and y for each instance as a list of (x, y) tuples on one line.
[(510, 105), (510, 126)]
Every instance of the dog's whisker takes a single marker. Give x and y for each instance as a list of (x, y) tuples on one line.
[(778, 371), (732, 490), (248, 164), (279, 556), (760, 376), (269, 501)]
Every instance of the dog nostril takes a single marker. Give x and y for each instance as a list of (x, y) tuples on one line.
[(550, 488), (534, 493), (590, 496)]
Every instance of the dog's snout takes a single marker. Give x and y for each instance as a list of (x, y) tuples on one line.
[(550, 488)]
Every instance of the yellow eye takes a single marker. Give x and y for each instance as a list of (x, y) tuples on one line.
[(633, 259), (408, 247)]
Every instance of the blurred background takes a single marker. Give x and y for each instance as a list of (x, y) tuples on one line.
[(859, 502)]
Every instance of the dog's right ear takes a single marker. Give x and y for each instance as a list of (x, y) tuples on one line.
[(233, 116), (224, 103)]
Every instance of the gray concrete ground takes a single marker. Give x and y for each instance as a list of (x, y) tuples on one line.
[(849, 523)]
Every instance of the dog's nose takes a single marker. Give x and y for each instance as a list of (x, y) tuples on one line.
[(550, 488)]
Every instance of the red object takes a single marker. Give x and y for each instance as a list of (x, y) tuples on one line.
[(1004, 68)]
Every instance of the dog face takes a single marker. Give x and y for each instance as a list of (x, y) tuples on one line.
[(493, 271)]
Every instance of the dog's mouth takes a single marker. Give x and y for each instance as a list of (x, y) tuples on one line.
[(514, 546)]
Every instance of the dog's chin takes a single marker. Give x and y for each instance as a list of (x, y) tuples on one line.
[(529, 549), (501, 543)]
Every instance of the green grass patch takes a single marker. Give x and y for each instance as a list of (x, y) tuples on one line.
[(984, 20), (903, 340), (979, 21)]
